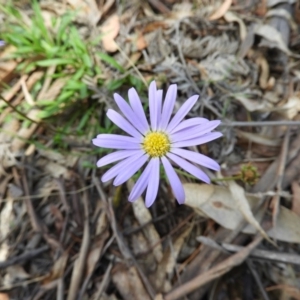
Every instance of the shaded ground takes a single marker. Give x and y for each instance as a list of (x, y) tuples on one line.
[(65, 235)]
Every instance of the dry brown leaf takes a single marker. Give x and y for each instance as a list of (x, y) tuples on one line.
[(140, 245), (216, 202), (25, 133), (110, 30), (296, 198), (53, 91), (292, 291), (264, 71), (6, 221), (88, 10), (141, 43), (165, 269), (143, 216), (101, 224), (273, 36), (180, 11), (134, 57), (13, 274), (291, 108), (232, 17), (176, 248), (54, 169), (129, 283), (7, 67), (220, 12), (94, 254), (57, 269), (258, 139), (238, 195), (253, 105), (27, 95), (55, 156)]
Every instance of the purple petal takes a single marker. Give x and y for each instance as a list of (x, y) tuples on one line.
[(168, 106), (197, 158), (182, 112), (131, 170), (138, 109), (189, 167), (153, 182), (141, 183), (153, 105), (115, 156), (174, 181), (194, 132), (123, 124), (159, 94), (189, 124), (116, 141), (120, 167), (129, 113), (198, 141)]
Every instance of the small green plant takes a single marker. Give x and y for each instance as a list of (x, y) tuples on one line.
[(60, 46)]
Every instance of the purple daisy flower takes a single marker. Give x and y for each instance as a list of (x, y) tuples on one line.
[(160, 142)]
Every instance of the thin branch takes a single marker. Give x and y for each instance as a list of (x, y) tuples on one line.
[(260, 123)]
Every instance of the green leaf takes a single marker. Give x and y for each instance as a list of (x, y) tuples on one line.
[(38, 21), (54, 61), (115, 84), (84, 119), (111, 61), (136, 82)]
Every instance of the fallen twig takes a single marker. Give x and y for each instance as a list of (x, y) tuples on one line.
[(23, 257), (214, 272), (79, 265)]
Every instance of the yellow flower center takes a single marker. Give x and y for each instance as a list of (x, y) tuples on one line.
[(156, 144)]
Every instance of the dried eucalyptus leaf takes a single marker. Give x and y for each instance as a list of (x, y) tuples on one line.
[(218, 204)]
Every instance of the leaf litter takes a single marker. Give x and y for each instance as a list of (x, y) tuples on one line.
[(65, 235)]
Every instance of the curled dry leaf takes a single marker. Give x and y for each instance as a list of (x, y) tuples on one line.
[(220, 12), (218, 204), (273, 36), (238, 195), (110, 30), (264, 71), (232, 17)]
